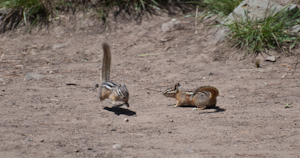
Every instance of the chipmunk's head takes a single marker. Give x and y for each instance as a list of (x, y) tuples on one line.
[(172, 91)]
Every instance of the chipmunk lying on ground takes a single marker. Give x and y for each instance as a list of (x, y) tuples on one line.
[(202, 97)]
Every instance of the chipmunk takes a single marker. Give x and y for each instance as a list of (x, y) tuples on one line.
[(109, 89), (202, 97)]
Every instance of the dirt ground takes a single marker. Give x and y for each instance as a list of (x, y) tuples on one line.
[(49, 108)]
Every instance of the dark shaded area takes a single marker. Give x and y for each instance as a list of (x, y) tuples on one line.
[(218, 109), (120, 111)]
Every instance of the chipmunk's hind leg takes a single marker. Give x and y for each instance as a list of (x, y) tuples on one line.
[(201, 101)]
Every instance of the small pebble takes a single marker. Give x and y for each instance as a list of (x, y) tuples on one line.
[(126, 120), (158, 132), (117, 146), (232, 97), (113, 129), (190, 150)]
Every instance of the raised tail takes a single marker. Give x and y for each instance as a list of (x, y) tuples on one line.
[(106, 63), (213, 92)]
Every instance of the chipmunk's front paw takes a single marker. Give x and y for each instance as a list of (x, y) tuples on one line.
[(195, 109)]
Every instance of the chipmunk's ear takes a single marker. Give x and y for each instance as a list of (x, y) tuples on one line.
[(177, 86)]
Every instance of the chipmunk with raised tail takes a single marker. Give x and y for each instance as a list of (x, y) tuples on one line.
[(202, 97), (108, 89)]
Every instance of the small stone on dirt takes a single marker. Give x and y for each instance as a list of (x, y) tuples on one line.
[(57, 46), (31, 75), (167, 26), (113, 129), (126, 120), (271, 58), (117, 146), (232, 97), (190, 150), (158, 132)]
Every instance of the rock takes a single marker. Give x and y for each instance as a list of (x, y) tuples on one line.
[(257, 9), (117, 146), (113, 129), (174, 24), (190, 150), (295, 29), (89, 148), (271, 58), (126, 120), (232, 97), (57, 46), (31, 75)]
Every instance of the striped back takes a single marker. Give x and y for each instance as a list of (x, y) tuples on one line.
[(209, 91), (122, 91), (109, 85)]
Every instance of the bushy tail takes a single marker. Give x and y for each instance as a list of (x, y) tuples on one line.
[(214, 92), (106, 63)]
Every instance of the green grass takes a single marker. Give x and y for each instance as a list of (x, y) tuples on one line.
[(272, 32), (221, 7), (27, 12), (37, 12)]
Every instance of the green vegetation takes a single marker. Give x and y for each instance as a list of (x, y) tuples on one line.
[(221, 7), (36, 12), (254, 35), (272, 32)]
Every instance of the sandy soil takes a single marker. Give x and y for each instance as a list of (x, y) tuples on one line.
[(42, 115)]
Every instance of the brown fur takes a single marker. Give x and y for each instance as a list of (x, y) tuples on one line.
[(108, 89), (194, 98)]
